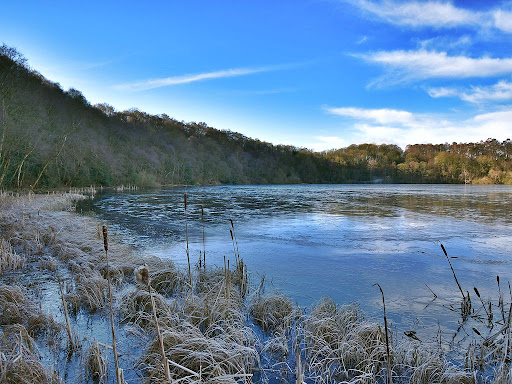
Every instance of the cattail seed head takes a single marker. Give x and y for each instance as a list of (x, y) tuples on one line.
[(476, 291), (105, 238), (185, 200), (142, 274), (444, 250)]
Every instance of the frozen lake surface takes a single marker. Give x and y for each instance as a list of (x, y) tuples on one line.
[(312, 241)]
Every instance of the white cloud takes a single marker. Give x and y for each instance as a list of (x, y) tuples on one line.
[(425, 128), (423, 64), (185, 79), (421, 14), (503, 20), (501, 91), (381, 116), (443, 92), (436, 14), (445, 43)]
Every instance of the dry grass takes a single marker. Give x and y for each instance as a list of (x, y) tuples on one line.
[(96, 364), (219, 359), (503, 375), (425, 366), (90, 291), (342, 345), (49, 263), (14, 307), (166, 281), (273, 313), (9, 259), (135, 307), (19, 363)]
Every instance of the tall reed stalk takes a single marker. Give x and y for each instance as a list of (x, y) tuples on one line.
[(119, 373), (453, 271), (186, 235), (68, 326), (143, 277), (390, 375), (204, 242)]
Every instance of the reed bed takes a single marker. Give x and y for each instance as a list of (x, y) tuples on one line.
[(205, 327)]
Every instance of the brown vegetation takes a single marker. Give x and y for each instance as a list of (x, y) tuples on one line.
[(205, 334)]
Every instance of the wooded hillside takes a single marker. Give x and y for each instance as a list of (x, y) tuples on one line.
[(53, 138)]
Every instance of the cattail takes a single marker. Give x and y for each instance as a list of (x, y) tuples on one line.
[(142, 274), (453, 271), (105, 238)]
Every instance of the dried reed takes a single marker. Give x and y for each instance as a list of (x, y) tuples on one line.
[(119, 374), (9, 259)]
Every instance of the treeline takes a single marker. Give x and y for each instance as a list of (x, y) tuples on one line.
[(52, 138), (486, 162)]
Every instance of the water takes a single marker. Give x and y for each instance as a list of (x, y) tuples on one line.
[(312, 241)]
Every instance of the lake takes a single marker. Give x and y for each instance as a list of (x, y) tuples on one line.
[(311, 241)]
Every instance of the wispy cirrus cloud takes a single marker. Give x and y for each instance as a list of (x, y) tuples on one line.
[(436, 14), (381, 116), (501, 91), (403, 127), (420, 14), (191, 78), (423, 64)]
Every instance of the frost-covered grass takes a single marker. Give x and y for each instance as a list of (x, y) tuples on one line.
[(220, 330)]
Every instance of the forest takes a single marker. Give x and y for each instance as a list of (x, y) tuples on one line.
[(52, 138)]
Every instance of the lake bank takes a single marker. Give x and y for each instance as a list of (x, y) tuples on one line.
[(243, 332)]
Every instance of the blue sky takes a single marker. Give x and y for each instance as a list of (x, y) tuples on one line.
[(314, 73)]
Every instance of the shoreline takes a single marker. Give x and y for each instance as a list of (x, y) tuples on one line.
[(262, 336)]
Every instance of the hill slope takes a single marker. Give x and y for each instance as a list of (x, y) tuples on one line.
[(54, 138)]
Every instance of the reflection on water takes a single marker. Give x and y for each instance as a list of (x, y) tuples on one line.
[(336, 240)]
